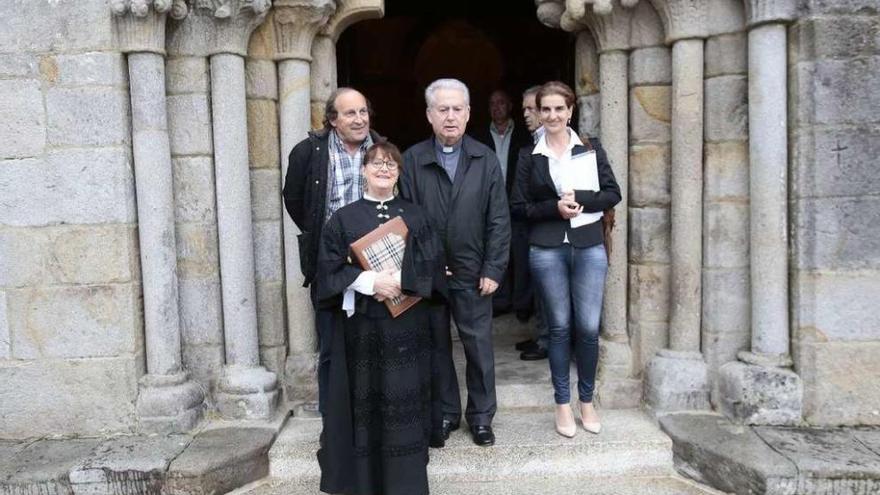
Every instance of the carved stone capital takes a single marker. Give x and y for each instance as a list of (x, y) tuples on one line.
[(140, 24), (611, 30), (683, 19), (296, 23), (216, 26), (350, 12), (768, 11), (550, 12)]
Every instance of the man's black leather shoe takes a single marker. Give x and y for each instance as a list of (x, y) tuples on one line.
[(483, 435), (440, 435), (525, 345), (535, 354)]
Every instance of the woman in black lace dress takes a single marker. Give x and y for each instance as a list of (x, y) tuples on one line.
[(377, 418)]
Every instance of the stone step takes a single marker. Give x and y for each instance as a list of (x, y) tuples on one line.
[(630, 485), (527, 448)]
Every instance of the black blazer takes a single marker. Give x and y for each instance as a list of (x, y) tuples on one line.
[(519, 137), (535, 198)]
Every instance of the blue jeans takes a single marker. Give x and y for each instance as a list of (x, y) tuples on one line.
[(571, 283)]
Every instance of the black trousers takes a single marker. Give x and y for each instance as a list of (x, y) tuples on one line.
[(324, 330), (473, 317), (515, 290)]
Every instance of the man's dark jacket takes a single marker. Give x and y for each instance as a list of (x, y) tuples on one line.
[(519, 137), (305, 195), (470, 213)]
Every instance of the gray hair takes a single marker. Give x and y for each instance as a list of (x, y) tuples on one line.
[(533, 90), (446, 84)]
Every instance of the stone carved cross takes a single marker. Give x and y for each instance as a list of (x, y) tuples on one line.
[(838, 150)]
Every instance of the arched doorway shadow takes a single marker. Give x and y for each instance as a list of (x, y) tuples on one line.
[(487, 44)]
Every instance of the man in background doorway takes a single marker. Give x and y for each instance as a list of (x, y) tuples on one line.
[(459, 183), (323, 175), (505, 138), (535, 348)]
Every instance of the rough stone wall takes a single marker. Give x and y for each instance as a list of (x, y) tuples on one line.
[(726, 310), (834, 64), (70, 316), (198, 256), (265, 163)]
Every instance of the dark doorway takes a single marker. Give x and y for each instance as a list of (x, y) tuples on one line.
[(487, 44)]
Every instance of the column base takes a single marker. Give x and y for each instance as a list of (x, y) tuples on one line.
[(169, 404), (301, 377), (247, 393), (615, 388), (676, 381), (619, 393), (753, 394)]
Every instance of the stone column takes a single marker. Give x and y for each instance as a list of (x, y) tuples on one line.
[(617, 386), (677, 378), (761, 389), (296, 23), (168, 401), (245, 389), (324, 74)]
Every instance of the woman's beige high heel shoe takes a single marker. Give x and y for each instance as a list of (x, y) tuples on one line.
[(589, 418), (565, 423)]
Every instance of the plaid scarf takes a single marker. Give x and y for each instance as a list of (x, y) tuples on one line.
[(345, 184)]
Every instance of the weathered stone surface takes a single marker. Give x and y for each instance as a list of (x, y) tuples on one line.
[(186, 75), (24, 120), (43, 466), (266, 194), (726, 170), (837, 233), (758, 395), (727, 54), (836, 37), (91, 69), (726, 235), (204, 362), (837, 92), (194, 199), (201, 316), (267, 251), (650, 114), (262, 79), (68, 255), (270, 313), (866, 7), (189, 124), (649, 175), (727, 109), (719, 348), (263, 147), (840, 382), (87, 116), (650, 67), (835, 162), (590, 116), (199, 463), (649, 292), (198, 253), (60, 27), (649, 232), (5, 348), (273, 357), (676, 381), (86, 397), (127, 465), (726, 300), (646, 338), (869, 438), (838, 306), (823, 453), (18, 65), (90, 321), (729, 457)]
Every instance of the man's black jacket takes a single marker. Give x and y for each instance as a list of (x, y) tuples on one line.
[(519, 138), (469, 214), (305, 195)]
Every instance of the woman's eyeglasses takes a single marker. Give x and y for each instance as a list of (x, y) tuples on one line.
[(377, 165)]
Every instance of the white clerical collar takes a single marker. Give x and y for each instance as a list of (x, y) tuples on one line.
[(541, 147), (377, 200)]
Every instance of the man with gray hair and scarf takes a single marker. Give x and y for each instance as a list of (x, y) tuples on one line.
[(323, 175), (459, 183)]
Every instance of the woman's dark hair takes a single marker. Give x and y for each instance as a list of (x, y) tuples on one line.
[(386, 147), (556, 88), (330, 111)]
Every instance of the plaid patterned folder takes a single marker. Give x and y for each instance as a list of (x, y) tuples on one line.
[(382, 249)]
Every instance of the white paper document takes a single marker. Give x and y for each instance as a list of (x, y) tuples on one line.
[(583, 175)]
